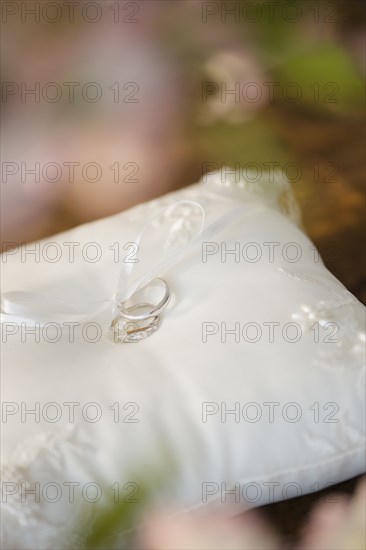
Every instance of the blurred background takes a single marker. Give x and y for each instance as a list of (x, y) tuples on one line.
[(108, 104)]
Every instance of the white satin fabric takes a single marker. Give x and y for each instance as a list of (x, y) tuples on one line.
[(162, 382)]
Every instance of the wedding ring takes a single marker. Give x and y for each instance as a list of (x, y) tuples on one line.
[(127, 312), (139, 320), (133, 331)]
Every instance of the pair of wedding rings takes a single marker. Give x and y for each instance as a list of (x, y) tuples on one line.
[(138, 320)]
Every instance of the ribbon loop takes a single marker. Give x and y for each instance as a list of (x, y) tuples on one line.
[(172, 233)]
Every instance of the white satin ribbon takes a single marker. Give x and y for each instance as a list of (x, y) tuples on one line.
[(155, 258)]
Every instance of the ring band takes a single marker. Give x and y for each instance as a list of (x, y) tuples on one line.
[(132, 331), (158, 308)]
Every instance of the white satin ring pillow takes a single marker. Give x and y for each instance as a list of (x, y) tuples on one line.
[(252, 385)]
